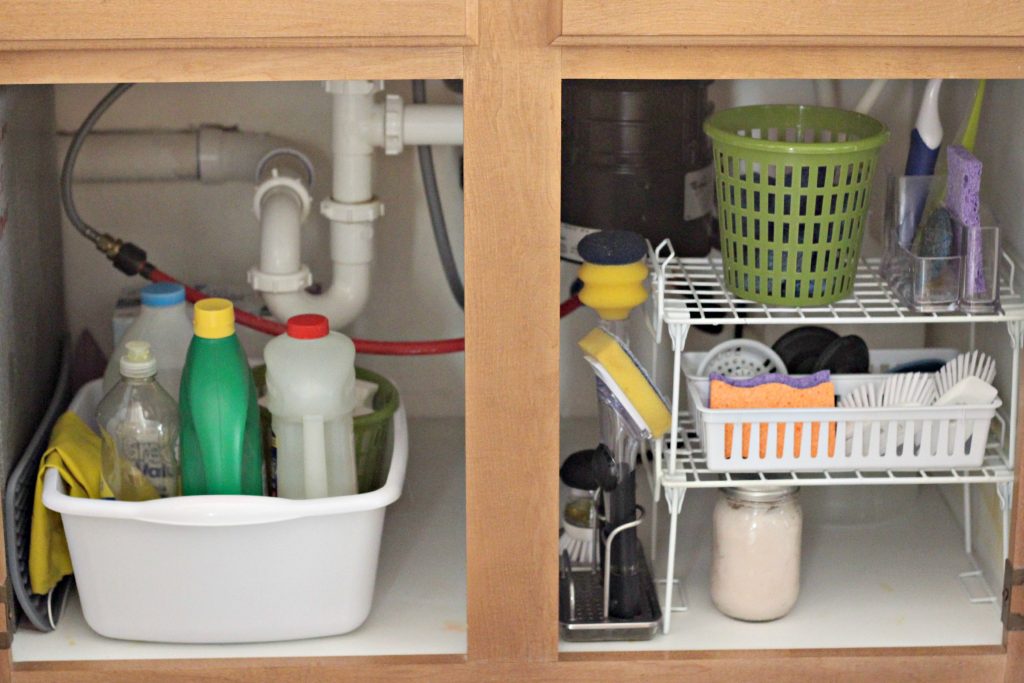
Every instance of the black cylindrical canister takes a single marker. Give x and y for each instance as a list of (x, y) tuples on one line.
[(634, 157)]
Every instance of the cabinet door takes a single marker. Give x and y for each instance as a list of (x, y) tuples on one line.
[(908, 22), (359, 22)]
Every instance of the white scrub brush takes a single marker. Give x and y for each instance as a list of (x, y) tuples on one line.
[(577, 536), (973, 364)]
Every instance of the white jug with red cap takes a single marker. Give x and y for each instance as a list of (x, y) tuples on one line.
[(311, 395)]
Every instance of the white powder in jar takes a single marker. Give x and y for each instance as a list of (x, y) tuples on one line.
[(755, 560)]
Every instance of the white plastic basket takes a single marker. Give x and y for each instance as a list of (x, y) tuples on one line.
[(886, 438), (225, 569), (879, 362)]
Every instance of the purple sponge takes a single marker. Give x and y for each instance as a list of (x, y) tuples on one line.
[(963, 186), (963, 199), (774, 378)]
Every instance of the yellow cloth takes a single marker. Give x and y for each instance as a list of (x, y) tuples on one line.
[(74, 451)]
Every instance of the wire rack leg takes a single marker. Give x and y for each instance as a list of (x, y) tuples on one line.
[(678, 333), (1004, 490), (968, 524), (674, 499), (1016, 330), (655, 514)]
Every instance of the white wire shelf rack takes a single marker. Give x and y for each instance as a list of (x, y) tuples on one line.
[(691, 291), (690, 468)]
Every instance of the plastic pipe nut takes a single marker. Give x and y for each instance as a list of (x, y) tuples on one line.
[(341, 212), (280, 284), (394, 115)]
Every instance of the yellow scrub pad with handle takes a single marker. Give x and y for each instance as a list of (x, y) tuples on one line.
[(627, 379)]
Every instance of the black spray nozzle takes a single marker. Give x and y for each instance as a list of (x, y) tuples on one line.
[(589, 470)]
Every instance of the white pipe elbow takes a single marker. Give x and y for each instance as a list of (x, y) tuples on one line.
[(281, 214), (281, 204), (342, 303)]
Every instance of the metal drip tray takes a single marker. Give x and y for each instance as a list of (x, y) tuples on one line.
[(581, 608)]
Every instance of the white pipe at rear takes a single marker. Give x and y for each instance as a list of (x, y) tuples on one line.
[(135, 156), (355, 125), (432, 124), (210, 154)]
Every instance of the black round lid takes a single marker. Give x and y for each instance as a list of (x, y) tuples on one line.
[(799, 349), (612, 247), (845, 356)]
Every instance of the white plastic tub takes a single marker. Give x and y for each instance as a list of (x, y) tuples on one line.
[(225, 569)]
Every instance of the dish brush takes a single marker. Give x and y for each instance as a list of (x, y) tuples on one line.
[(973, 364), (864, 396), (577, 536), (911, 389)]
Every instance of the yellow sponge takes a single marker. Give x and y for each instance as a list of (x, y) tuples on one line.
[(628, 380), (613, 291)]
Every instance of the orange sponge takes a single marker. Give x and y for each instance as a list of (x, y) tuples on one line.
[(774, 395)]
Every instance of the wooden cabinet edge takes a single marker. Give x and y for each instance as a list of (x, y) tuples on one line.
[(555, 34), (311, 42), (949, 665), (228, 64), (578, 40), (757, 61), (469, 36)]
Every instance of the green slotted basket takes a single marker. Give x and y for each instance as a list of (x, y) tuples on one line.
[(793, 185)]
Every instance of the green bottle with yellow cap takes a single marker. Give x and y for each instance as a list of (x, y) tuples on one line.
[(220, 419)]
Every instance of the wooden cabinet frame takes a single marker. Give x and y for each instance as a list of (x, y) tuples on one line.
[(89, 24), (512, 75), (787, 22)]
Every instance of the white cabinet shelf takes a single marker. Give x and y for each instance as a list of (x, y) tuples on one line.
[(890, 584)]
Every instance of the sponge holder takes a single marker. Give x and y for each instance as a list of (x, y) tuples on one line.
[(966, 280)]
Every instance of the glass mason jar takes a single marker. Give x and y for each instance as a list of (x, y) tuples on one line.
[(755, 554)]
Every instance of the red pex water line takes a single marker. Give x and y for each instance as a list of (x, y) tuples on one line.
[(369, 346)]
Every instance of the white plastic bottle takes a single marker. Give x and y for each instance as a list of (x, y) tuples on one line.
[(139, 425), (311, 396), (163, 322)]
